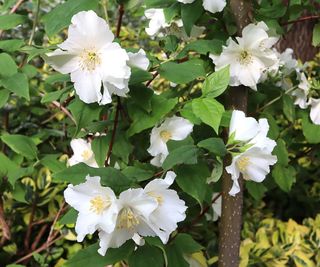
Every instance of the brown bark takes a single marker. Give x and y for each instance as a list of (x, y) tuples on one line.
[(231, 217)]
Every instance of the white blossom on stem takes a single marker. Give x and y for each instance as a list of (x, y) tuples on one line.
[(174, 128), (302, 92), (96, 205), (82, 152), (212, 6)]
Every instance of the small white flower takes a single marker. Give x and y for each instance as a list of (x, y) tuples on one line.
[(138, 60), (171, 209), (315, 110), (249, 57), (92, 59), (96, 206), (216, 206), (301, 93), (287, 61), (135, 208), (82, 152), (157, 20), (254, 163), (212, 6), (174, 128)]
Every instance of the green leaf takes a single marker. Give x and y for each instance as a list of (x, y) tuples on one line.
[(146, 256), (288, 108), (192, 180), (60, 16), (216, 172), (256, 190), (214, 145), (284, 176), (7, 65), (137, 174), (187, 154), (139, 76), (141, 96), (100, 147), (142, 120), (171, 12), (109, 176), (310, 131), (90, 257), (18, 84), (281, 152), (11, 45), (210, 111), (187, 113), (216, 83), (316, 35), (52, 96), (203, 47), (7, 165), (70, 217), (4, 96), (21, 144), (10, 21), (84, 114), (183, 72), (52, 163), (190, 13), (186, 244)]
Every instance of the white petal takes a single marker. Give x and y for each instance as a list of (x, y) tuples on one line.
[(63, 61), (112, 240), (233, 170), (315, 111), (244, 127), (138, 60), (158, 160), (179, 127), (186, 1), (157, 145), (214, 6), (87, 86)]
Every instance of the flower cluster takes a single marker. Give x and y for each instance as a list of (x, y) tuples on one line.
[(174, 128), (250, 148), (94, 60), (152, 211), (250, 57)]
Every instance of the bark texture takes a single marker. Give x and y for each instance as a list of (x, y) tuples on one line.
[(231, 218)]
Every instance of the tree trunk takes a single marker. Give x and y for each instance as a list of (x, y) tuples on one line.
[(231, 217)]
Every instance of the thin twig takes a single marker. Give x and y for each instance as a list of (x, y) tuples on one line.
[(121, 12), (62, 108), (113, 136), (39, 236), (152, 79), (35, 22), (54, 222), (312, 17)]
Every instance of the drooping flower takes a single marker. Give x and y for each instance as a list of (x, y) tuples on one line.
[(174, 128), (138, 60), (212, 6), (135, 208), (249, 57), (96, 205), (92, 59), (171, 209), (315, 110), (302, 92), (82, 152), (253, 157)]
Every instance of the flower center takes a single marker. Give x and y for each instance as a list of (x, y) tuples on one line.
[(245, 58), (165, 135), (86, 154), (127, 219), (99, 204), (157, 197), (90, 59), (243, 163)]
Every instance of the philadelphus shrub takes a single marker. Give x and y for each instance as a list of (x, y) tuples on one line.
[(152, 211), (251, 149), (93, 59)]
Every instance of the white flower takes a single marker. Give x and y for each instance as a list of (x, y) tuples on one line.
[(174, 128), (212, 6), (254, 163), (82, 153), (138, 60), (96, 206), (249, 57), (135, 208), (216, 206), (287, 61), (171, 209), (315, 110), (157, 20), (92, 59), (301, 93)]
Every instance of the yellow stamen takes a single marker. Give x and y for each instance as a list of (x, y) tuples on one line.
[(157, 197), (165, 135), (243, 163), (89, 60), (127, 219), (86, 154), (245, 58), (99, 204)]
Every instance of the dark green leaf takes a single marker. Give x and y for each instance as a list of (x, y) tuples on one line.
[(11, 45), (190, 13), (284, 176), (146, 256), (256, 190), (7, 65), (100, 147), (10, 21), (182, 155), (139, 76), (18, 84), (21, 144), (214, 145)]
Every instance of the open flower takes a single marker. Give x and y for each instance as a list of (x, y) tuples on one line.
[(249, 57), (254, 159), (171, 209), (92, 59), (315, 110), (82, 152), (96, 206), (302, 92), (174, 128), (212, 6), (135, 208)]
